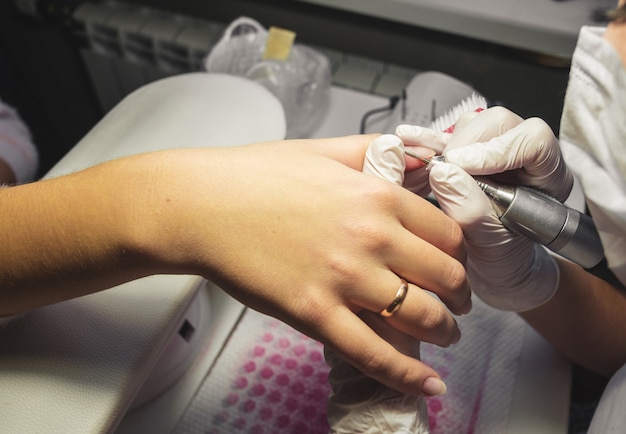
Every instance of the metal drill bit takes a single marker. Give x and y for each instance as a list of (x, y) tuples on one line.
[(427, 161), (541, 218)]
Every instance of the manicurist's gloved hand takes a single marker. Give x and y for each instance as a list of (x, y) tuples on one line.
[(359, 403), (506, 270), (498, 142), (495, 142)]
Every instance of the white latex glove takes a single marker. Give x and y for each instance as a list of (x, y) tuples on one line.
[(506, 270), (425, 143), (498, 142), (359, 403)]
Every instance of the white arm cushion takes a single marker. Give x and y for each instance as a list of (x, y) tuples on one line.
[(77, 365)]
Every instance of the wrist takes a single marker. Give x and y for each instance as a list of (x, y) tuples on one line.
[(545, 281), (151, 212), (181, 212)]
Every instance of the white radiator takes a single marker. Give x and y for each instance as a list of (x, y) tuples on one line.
[(126, 46)]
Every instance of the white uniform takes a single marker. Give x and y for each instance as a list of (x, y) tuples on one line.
[(593, 139)]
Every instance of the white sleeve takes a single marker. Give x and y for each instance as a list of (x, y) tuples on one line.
[(593, 138)]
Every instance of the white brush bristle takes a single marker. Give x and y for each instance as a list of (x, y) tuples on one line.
[(471, 103)]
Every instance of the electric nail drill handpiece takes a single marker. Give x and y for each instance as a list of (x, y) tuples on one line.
[(546, 221)]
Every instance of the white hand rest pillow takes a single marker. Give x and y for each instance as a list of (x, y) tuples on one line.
[(76, 366)]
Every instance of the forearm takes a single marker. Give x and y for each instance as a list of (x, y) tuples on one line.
[(70, 236), (179, 211), (584, 320)]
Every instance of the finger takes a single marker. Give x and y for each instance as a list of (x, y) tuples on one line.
[(412, 135), (419, 242), (417, 312), (465, 119), (430, 224), (425, 265), (385, 159), (529, 151), (356, 343), (506, 151), (432, 253), (482, 126), (403, 342), (421, 316), (459, 196), (487, 238)]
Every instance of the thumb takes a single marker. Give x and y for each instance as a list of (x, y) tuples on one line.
[(413, 135), (385, 158), (459, 196), (529, 152)]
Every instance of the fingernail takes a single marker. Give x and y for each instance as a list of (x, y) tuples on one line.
[(434, 387)]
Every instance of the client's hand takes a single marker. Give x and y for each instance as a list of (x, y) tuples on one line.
[(290, 228), (506, 270), (295, 230)]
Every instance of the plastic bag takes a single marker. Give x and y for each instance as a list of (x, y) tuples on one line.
[(301, 82)]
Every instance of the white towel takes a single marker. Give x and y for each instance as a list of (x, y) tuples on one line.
[(271, 379)]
